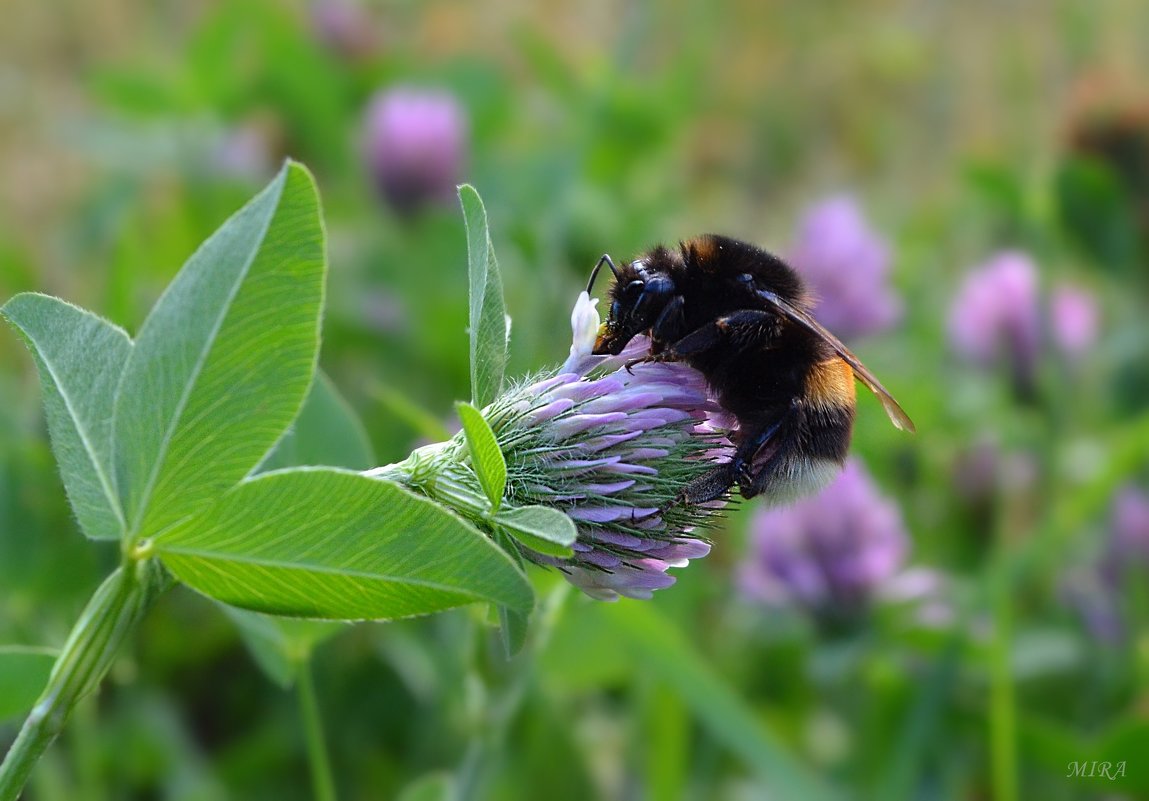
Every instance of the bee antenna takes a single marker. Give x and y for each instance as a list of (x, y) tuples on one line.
[(594, 273)]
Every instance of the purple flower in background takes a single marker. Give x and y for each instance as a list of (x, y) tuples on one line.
[(608, 447), (1129, 524), (995, 312), (246, 152), (832, 553), (847, 264), (998, 311), (416, 146), (1096, 591), (345, 27), (1072, 320)]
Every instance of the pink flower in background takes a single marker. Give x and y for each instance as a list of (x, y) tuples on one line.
[(1073, 320), (1129, 545), (345, 27), (999, 315), (847, 264), (416, 146), (1096, 591), (831, 553), (996, 313)]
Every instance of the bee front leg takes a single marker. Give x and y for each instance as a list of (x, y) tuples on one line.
[(666, 328), (745, 327)]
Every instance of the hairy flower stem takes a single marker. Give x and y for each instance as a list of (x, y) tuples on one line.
[(115, 609)]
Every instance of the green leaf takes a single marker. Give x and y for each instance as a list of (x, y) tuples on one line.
[(486, 456), (326, 543), (24, 672), (223, 362), (326, 432), (540, 528), (280, 645), (80, 358), (488, 318), (664, 652)]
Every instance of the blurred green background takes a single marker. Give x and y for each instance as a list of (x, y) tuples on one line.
[(955, 132)]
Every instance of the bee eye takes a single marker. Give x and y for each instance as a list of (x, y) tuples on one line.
[(615, 310)]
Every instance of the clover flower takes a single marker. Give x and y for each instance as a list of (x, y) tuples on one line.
[(1096, 591), (609, 447), (998, 313), (345, 27), (847, 264), (995, 313), (416, 147), (832, 553), (1073, 320)]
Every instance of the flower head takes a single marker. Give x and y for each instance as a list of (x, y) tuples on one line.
[(1129, 543), (831, 553), (996, 312), (416, 146), (611, 448), (847, 263), (1072, 320), (344, 26), (1096, 591)]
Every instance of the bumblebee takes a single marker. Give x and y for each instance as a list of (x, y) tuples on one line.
[(741, 317)]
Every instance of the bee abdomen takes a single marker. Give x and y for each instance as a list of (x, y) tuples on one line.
[(830, 385)]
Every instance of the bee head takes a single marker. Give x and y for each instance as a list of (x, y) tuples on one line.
[(639, 293)]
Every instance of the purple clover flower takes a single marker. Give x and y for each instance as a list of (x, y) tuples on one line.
[(832, 553), (1096, 591), (996, 312), (610, 448), (1073, 320), (345, 27), (416, 147), (1129, 544), (847, 264)]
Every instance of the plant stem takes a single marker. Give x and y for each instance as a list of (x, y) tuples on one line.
[(1002, 714), (1003, 727), (322, 782), (502, 704), (111, 614)]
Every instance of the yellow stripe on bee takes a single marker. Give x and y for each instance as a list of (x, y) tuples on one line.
[(831, 383), (703, 248)]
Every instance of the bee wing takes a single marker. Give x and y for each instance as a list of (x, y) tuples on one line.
[(895, 412)]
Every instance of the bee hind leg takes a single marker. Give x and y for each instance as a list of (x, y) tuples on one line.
[(739, 470), (707, 487)]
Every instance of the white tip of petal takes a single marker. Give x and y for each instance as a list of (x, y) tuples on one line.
[(584, 325)]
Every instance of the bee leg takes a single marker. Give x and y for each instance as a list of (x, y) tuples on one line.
[(762, 446), (665, 329), (739, 470), (668, 326), (630, 363), (740, 328), (707, 487)]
